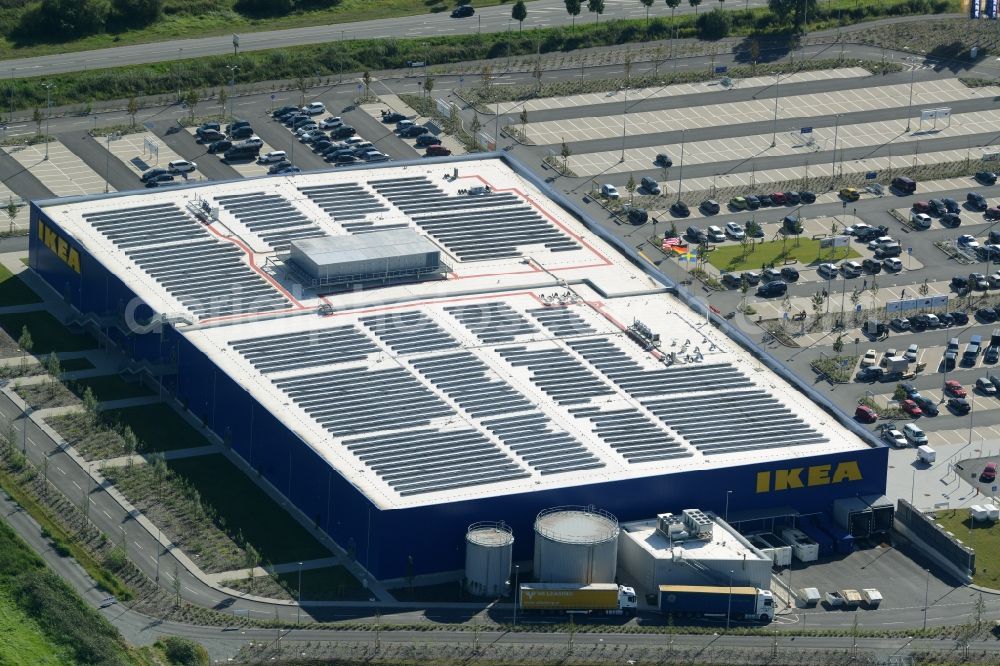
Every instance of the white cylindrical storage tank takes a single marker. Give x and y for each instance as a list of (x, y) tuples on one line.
[(489, 549), (575, 544)]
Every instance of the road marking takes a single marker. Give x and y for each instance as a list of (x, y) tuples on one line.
[(107, 514), (138, 544), (30, 441), (61, 470), (77, 485)]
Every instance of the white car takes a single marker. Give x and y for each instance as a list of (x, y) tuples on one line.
[(892, 264), (253, 142), (331, 123), (273, 156), (911, 353), (181, 166), (851, 269), (869, 359), (312, 135), (609, 191), (314, 108), (828, 270), (375, 156), (914, 434), (354, 141), (854, 229), (735, 231), (715, 234), (308, 127), (894, 438), (879, 242), (921, 220), (985, 386)]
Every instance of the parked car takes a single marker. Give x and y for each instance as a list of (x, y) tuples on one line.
[(870, 358), (954, 388), (709, 207), (663, 160), (922, 206), (220, 146), (753, 203), (342, 132), (951, 220), (976, 201), (314, 108), (911, 353), (738, 203), (281, 111), (680, 209), (793, 198), (850, 194), (900, 324), (437, 151), (715, 234), (273, 156), (463, 11), (910, 407), (937, 206), (160, 179), (241, 132), (989, 474), (425, 140), (871, 266), (894, 438), (331, 122), (959, 406), (789, 274), (807, 197), (650, 185), (985, 386), (961, 319), (772, 289), (210, 136), (927, 405), (892, 265), (696, 235), (609, 191), (914, 434), (278, 166), (392, 116), (413, 131), (986, 177), (150, 174), (828, 270), (181, 166), (735, 231), (778, 198), (865, 414), (992, 213)]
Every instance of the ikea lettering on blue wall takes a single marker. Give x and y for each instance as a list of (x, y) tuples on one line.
[(806, 477), (59, 246)]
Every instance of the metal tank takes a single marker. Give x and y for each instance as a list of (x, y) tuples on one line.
[(575, 544), (488, 555)]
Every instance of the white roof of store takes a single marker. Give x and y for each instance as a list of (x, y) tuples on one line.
[(509, 376)]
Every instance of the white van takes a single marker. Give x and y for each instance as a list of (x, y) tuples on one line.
[(273, 156), (926, 454)]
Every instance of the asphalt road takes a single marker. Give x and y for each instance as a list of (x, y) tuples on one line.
[(541, 13)]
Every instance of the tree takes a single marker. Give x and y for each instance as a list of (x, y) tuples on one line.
[(596, 7), (90, 404), (66, 18), (694, 3), (537, 73), (177, 584), (573, 8), (796, 10), (565, 152), (54, 369), (223, 98), (754, 53), (136, 12), (630, 188), (486, 78), (303, 87), (647, 4), (133, 108), (26, 344), (37, 118), (454, 121), (519, 12), (12, 211), (474, 128), (130, 443), (191, 99), (524, 120), (428, 85), (816, 302), (251, 560), (159, 474), (752, 229), (673, 4), (716, 24), (924, 288), (838, 344), (366, 78), (703, 249)]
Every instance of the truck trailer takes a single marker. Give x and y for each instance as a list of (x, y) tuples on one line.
[(606, 598), (746, 603)]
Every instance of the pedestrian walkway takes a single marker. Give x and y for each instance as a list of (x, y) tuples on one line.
[(55, 412), (63, 172), (129, 402), (288, 567), (143, 458)]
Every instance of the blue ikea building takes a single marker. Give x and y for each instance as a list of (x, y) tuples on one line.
[(397, 474)]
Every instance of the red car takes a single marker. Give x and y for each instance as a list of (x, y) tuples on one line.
[(992, 213), (911, 408), (954, 388), (779, 198), (922, 206), (989, 474), (866, 414), (437, 151)]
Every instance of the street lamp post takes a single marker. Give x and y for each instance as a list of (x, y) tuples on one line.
[(927, 589), (680, 171), (158, 549), (517, 590), (48, 115), (232, 86), (728, 493), (833, 162), (774, 129), (298, 612), (624, 120), (12, 93), (729, 606), (909, 103)]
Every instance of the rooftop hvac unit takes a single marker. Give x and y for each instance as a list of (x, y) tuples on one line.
[(698, 523), (670, 526)]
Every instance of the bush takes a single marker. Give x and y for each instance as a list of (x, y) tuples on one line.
[(64, 19), (263, 8), (135, 13), (715, 24), (183, 651)]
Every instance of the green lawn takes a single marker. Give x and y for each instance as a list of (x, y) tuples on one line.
[(246, 508), (158, 427), (13, 291), (22, 642), (216, 17), (109, 387), (46, 332), (983, 537), (730, 257)]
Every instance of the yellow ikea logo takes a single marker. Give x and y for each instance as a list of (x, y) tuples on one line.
[(60, 246), (803, 477)]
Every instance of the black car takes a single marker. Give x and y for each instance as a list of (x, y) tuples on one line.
[(951, 206), (279, 112), (413, 130), (753, 279), (900, 324), (992, 355), (986, 177), (425, 140), (731, 281), (211, 136), (343, 132), (793, 198), (392, 117), (959, 283), (917, 323), (241, 132), (463, 11), (807, 197), (150, 174), (959, 405), (205, 127), (161, 179), (709, 207), (236, 124), (789, 274), (663, 160), (680, 209), (937, 207), (293, 118), (987, 315), (951, 220), (772, 289), (765, 200), (321, 145), (976, 201), (871, 266), (637, 216), (927, 405), (220, 146), (946, 320), (753, 203), (871, 233), (696, 235), (279, 166), (961, 319)]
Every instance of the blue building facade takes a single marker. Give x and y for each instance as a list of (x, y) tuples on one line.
[(384, 541)]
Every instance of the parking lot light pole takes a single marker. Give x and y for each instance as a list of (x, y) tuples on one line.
[(298, 613), (728, 493), (48, 114), (517, 590), (927, 589), (774, 132), (833, 162), (909, 104), (729, 605), (232, 86), (680, 170), (624, 120)]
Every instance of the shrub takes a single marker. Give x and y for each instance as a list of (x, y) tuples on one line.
[(183, 651), (63, 19), (715, 24), (257, 8), (135, 13)]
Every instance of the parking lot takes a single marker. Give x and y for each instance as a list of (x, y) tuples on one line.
[(64, 173), (133, 150)]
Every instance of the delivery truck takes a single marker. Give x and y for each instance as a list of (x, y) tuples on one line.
[(746, 603), (606, 598)]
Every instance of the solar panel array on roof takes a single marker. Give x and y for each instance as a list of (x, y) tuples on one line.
[(632, 434), (208, 276), (409, 332), (561, 321), (492, 322), (307, 349), (348, 204), (356, 400), (558, 373), (270, 216), (530, 436), (734, 422), (639, 382), (465, 379), (428, 460), (473, 227)]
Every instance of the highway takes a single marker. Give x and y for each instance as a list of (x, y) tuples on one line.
[(541, 13)]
